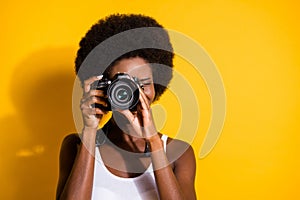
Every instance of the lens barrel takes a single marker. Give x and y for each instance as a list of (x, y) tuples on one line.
[(123, 92)]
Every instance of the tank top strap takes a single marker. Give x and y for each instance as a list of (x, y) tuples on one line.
[(164, 138)]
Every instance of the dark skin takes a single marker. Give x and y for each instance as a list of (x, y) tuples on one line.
[(174, 171)]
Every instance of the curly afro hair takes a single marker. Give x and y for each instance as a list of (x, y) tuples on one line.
[(118, 23)]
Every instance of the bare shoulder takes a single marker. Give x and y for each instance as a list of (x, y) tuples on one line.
[(71, 139), (178, 150), (68, 149), (68, 153), (182, 158)]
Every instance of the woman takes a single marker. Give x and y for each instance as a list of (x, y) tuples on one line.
[(127, 158)]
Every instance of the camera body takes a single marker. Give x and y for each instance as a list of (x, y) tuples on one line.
[(122, 92)]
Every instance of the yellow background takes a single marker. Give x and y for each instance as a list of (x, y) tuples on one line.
[(255, 45)]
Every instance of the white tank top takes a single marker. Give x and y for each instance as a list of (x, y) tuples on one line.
[(111, 187)]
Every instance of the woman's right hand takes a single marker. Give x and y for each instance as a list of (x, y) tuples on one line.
[(92, 115)]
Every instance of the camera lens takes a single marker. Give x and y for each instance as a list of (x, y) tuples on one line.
[(123, 93)]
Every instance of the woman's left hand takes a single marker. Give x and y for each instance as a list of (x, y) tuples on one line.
[(140, 123)]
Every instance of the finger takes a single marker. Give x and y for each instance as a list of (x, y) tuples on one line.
[(144, 101), (126, 113), (87, 83), (98, 93), (94, 97), (100, 112), (98, 108), (91, 101), (93, 114)]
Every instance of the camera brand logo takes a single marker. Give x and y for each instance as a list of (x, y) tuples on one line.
[(185, 47)]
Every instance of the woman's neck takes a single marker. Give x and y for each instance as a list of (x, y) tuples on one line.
[(123, 139)]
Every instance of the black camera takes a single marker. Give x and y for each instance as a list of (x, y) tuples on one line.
[(122, 92)]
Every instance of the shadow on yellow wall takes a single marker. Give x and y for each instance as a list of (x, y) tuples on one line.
[(41, 91)]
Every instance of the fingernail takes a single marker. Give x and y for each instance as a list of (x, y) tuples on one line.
[(99, 77)]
